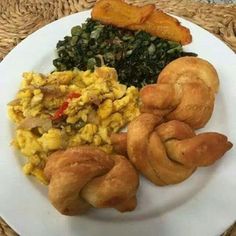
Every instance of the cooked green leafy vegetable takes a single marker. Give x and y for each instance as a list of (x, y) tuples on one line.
[(137, 56)]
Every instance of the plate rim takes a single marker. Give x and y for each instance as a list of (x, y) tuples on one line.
[(9, 55)]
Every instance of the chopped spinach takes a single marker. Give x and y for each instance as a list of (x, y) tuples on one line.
[(137, 56)]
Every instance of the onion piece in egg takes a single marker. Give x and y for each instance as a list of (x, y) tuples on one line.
[(33, 122)]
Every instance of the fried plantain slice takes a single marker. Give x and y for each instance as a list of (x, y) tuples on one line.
[(164, 26), (119, 13), (146, 18)]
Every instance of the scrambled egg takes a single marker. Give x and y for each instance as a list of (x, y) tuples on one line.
[(66, 109)]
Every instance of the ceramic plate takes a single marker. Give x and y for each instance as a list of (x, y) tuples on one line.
[(205, 204)]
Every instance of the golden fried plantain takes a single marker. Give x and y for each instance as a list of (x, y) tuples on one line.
[(146, 18), (119, 13), (164, 26)]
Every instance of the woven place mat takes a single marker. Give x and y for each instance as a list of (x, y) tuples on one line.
[(19, 18)]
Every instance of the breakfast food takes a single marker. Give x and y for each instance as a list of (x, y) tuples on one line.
[(119, 143), (185, 91), (168, 153), (84, 177), (137, 56), (146, 18), (67, 109), (121, 14), (68, 121)]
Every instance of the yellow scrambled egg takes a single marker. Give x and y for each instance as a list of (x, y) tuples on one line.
[(66, 109)]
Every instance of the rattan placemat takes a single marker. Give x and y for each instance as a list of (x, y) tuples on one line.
[(19, 18)]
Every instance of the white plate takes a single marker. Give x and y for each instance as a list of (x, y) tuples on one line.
[(205, 204)]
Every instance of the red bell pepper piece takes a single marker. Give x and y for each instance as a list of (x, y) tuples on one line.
[(60, 111), (73, 95)]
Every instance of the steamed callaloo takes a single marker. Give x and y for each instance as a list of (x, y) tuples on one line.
[(137, 56)]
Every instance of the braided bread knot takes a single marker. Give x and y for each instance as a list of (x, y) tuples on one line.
[(168, 153), (84, 177), (185, 91)]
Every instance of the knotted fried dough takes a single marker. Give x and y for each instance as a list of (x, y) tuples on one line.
[(168, 153), (115, 189), (119, 143), (84, 177), (185, 91)]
